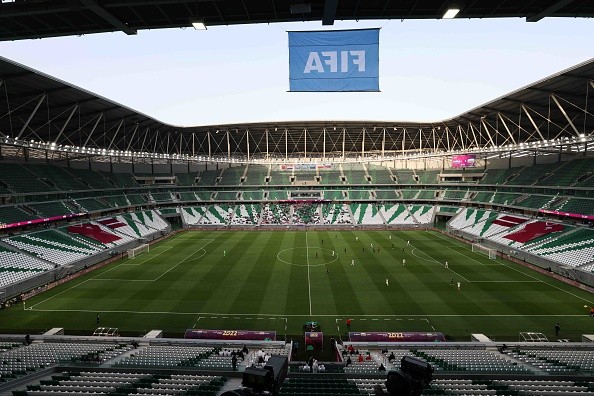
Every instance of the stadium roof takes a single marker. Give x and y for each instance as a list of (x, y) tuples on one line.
[(38, 109), (25, 19)]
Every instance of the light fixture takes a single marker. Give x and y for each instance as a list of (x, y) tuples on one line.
[(198, 24), (451, 13)]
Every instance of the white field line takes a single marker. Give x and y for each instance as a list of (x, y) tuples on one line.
[(284, 316), (157, 278), (525, 274), (431, 259), (111, 269), (150, 257), (308, 279)]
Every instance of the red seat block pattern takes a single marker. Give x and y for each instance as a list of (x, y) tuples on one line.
[(95, 232), (534, 230)]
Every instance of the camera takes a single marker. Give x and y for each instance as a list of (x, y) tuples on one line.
[(413, 376), (258, 380)]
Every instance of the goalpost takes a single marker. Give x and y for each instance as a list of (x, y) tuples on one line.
[(478, 248), (137, 250)]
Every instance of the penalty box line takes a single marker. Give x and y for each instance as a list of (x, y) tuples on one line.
[(534, 280), (164, 273), (156, 255), (95, 278), (502, 262), (431, 259)]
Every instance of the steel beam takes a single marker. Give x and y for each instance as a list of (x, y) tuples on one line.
[(305, 143), (93, 130), (267, 152), (549, 10), (66, 123), (343, 141), (459, 128), (41, 99), (132, 138), (476, 142), (209, 148), (363, 145), (181, 136), (488, 132), (114, 135), (383, 143), (145, 136), (554, 97), (108, 16), (511, 136), (156, 141), (330, 7), (324, 145), (532, 122), (228, 145)]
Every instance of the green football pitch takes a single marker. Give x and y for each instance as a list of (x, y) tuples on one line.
[(277, 280)]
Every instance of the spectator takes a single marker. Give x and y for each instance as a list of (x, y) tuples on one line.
[(381, 367)]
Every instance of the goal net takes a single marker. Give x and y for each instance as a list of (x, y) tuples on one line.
[(478, 248), (137, 250)]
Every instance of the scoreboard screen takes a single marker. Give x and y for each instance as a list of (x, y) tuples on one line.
[(463, 161), (231, 335), (407, 336)]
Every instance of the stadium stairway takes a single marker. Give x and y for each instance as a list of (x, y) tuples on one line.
[(511, 360), (231, 384), (367, 175), (422, 214), (352, 215), (367, 213), (397, 214), (112, 361)]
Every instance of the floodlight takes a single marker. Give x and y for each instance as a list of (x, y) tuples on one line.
[(198, 24), (451, 13)]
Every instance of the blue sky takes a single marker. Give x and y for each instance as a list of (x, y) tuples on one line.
[(429, 70)]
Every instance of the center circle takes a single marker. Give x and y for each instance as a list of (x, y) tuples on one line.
[(325, 256)]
